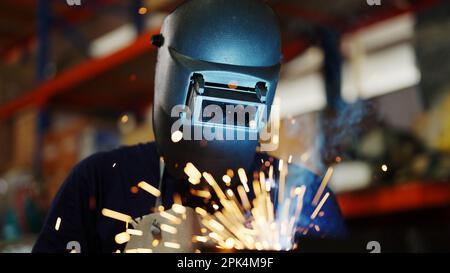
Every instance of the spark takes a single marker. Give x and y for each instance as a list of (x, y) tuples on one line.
[(170, 217), (149, 188), (242, 223), (58, 223), (139, 250), (144, 250), (316, 211), (114, 165), (208, 177), (229, 243), (384, 168), (169, 229), (134, 189), (177, 208), (201, 211), (194, 174), (282, 181), (244, 198), (177, 136), (203, 194), (259, 230), (135, 232), (172, 245), (122, 238), (280, 165), (322, 186), (116, 215), (124, 119), (142, 10), (230, 193), (243, 178), (198, 238), (216, 225), (226, 179)]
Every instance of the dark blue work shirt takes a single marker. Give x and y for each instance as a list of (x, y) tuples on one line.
[(109, 179)]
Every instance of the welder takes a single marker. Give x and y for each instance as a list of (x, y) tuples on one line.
[(211, 54)]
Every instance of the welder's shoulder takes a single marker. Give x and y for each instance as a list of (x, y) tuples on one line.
[(125, 161)]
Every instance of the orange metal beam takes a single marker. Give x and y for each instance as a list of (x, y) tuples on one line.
[(77, 75), (394, 199)]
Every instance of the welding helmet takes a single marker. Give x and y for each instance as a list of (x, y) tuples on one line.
[(213, 56)]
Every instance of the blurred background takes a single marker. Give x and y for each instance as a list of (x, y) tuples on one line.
[(365, 88)]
